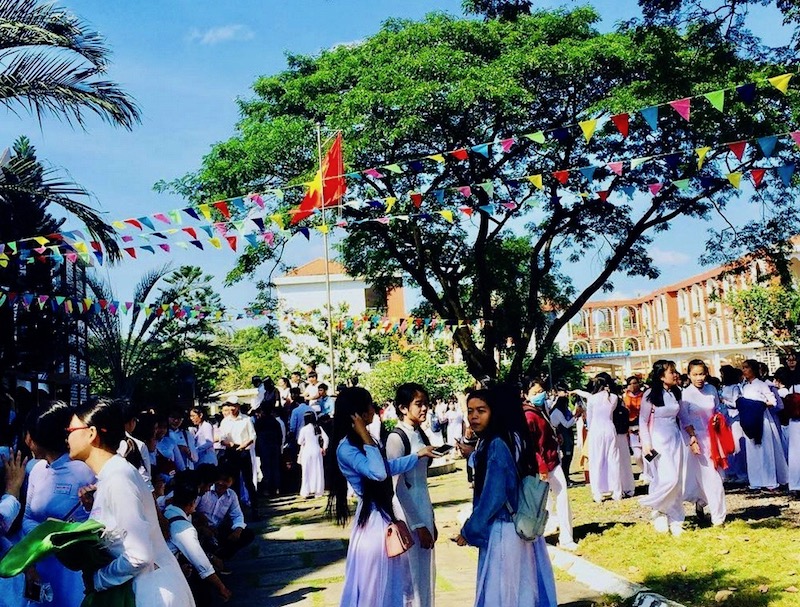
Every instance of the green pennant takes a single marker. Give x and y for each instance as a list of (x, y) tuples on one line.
[(394, 168), (716, 99), (538, 137), (487, 187), (681, 184)]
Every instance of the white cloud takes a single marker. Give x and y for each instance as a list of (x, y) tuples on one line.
[(670, 258), (224, 33)]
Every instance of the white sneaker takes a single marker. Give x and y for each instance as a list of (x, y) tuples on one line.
[(676, 528), (661, 524)]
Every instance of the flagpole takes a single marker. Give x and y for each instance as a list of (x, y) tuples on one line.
[(332, 386)]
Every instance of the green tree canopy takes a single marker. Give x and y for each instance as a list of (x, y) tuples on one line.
[(444, 83), (258, 351), (769, 313)]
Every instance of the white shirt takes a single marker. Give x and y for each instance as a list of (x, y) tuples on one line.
[(311, 392), (217, 507), (238, 430), (146, 468), (759, 390), (204, 444), (183, 539)]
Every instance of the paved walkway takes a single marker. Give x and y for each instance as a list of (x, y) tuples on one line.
[(298, 556)]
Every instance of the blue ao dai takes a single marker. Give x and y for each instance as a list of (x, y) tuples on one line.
[(737, 463), (53, 493), (371, 578), (703, 481), (766, 465), (411, 491), (658, 428), (511, 571)]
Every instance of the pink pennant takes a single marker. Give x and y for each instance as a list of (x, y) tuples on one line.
[(164, 247), (738, 148), (383, 220), (683, 107), (72, 257), (221, 228), (510, 205), (616, 167), (621, 121), (507, 144), (795, 135), (162, 217), (461, 154), (655, 188), (562, 176), (373, 173), (341, 223), (40, 250), (258, 200), (466, 191), (269, 238), (758, 176), (127, 238)]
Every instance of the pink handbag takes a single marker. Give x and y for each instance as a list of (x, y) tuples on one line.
[(398, 539)]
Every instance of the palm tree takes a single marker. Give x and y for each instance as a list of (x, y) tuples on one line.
[(52, 62)]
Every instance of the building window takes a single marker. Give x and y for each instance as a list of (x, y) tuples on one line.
[(375, 299)]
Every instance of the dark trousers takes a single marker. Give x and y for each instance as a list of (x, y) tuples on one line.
[(271, 468), (242, 465), (228, 547)]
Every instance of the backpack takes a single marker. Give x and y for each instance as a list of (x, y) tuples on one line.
[(621, 419), (436, 425), (530, 518)]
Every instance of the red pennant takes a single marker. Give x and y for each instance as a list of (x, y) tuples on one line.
[(231, 242), (461, 154), (134, 222), (562, 176), (795, 136), (131, 251), (738, 148), (96, 246), (416, 198), (758, 176), (603, 194), (621, 121), (191, 232), (467, 211), (655, 188), (222, 207), (616, 167), (103, 303)]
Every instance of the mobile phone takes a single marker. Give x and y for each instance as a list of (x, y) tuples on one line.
[(651, 456), (442, 450), (33, 591)]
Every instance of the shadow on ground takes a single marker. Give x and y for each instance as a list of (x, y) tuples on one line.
[(701, 588)]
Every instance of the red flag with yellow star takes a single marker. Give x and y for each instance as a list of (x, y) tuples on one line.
[(328, 186)]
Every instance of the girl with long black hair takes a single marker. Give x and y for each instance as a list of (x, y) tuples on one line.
[(512, 572), (663, 447), (371, 578)]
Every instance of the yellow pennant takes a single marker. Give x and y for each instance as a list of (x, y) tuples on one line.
[(735, 179), (781, 82), (390, 202), (536, 180), (41, 240), (436, 157), (448, 215), (324, 228), (206, 211), (701, 156), (215, 242), (588, 127), (81, 247), (277, 220), (118, 225)]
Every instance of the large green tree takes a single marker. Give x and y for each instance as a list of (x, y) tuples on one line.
[(445, 83)]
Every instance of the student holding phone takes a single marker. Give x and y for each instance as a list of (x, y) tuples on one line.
[(663, 447), (411, 488), (371, 578)]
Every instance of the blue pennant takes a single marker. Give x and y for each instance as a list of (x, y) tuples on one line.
[(561, 134), (629, 190), (672, 160), (747, 92), (767, 145), (785, 173), (650, 114), (482, 149), (588, 172)]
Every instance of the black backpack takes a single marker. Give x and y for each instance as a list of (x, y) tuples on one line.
[(621, 418)]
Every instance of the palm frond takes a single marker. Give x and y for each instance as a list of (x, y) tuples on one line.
[(48, 83), (32, 23)]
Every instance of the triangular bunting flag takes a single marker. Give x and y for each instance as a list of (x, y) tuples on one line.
[(305, 232), (622, 122), (701, 155), (436, 157), (277, 219), (460, 154), (507, 144), (393, 168), (416, 199), (795, 135), (197, 243), (129, 250), (222, 207), (164, 247), (390, 202), (487, 208), (747, 92), (467, 211), (487, 187), (448, 215), (537, 137), (781, 82), (672, 160), (147, 247), (735, 179), (681, 184), (785, 172), (323, 228), (650, 115), (146, 221), (561, 134), (716, 99), (588, 172), (561, 176), (767, 145), (232, 242), (738, 148), (118, 225), (757, 175), (682, 106), (603, 194), (616, 167), (482, 149), (134, 223), (536, 180), (191, 213), (588, 127), (655, 188), (637, 162), (162, 217), (206, 211), (215, 242), (465, 191)]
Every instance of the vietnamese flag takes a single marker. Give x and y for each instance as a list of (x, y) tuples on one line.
[(328, 186)]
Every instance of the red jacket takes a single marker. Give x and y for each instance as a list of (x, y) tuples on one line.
[(545, 443)]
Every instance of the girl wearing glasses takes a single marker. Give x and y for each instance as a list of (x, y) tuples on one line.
[(124, 504)]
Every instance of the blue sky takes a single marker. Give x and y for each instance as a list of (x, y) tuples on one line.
[(187, 61)]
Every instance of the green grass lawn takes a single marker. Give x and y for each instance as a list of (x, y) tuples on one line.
[(756, 555)]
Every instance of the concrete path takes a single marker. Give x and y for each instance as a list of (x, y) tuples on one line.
[(298, 556)]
